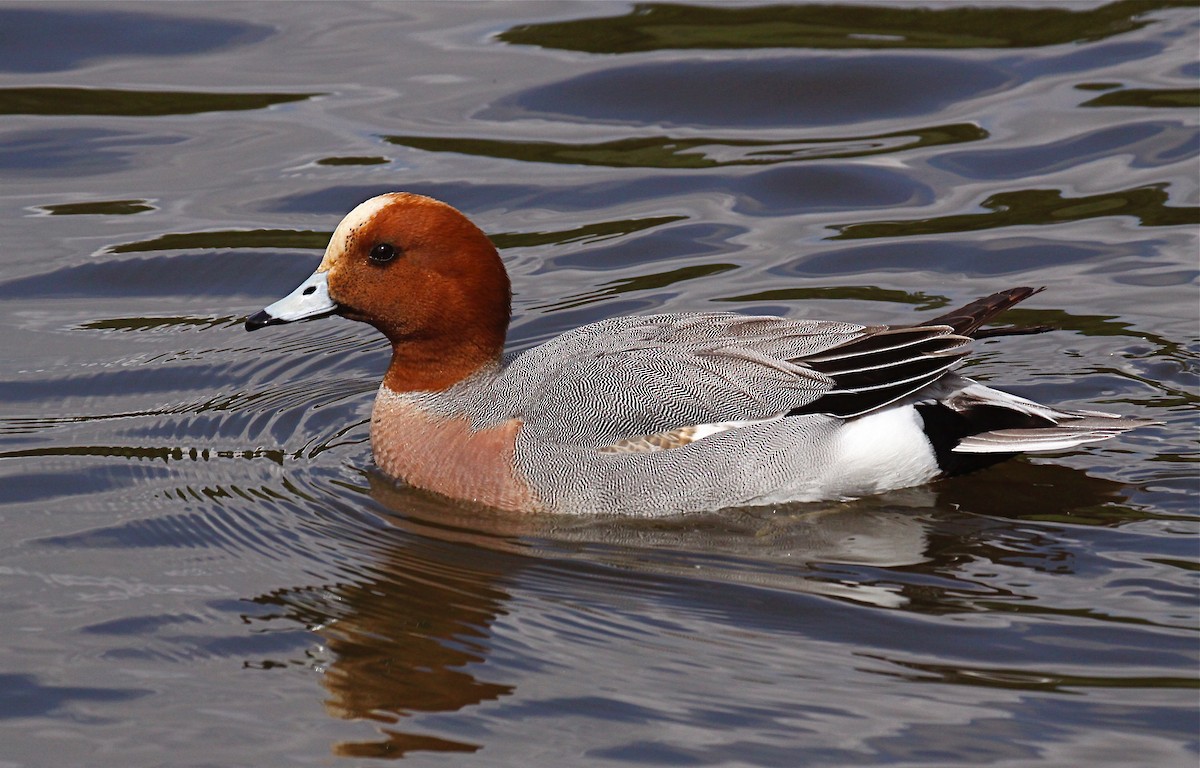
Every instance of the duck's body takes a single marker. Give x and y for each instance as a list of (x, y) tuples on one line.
[(659, 414)]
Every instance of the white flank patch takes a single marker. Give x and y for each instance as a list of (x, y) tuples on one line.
[(881, 451), (708, 430)]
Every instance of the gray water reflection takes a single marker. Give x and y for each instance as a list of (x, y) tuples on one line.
[(73, 152), (33, 37), (759, 93)]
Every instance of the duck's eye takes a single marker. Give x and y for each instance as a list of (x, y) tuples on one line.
[(383, 253)]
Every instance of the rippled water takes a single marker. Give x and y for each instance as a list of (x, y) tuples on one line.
[(200, 568)]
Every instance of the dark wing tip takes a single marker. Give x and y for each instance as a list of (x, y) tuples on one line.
[(968, 319)]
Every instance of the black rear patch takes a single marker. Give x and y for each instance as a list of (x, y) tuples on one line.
[(945, 427)]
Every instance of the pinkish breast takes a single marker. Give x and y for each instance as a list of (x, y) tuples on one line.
[(445, 455)]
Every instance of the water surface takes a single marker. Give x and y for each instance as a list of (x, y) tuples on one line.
[(200, 567)]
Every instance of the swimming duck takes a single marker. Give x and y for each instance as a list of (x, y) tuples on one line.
[(656, 414)]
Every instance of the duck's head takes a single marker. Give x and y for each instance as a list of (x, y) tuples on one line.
[(420, 272)]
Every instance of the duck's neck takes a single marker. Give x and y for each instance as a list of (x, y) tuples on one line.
[(430, 440), (436, 365)]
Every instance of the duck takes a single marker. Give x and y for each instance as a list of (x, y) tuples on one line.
[(657, 414)]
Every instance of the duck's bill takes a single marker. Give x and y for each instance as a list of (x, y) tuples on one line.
[(310, 299)]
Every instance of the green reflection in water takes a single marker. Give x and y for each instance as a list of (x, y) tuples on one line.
[(649, 282), (398, 744), (1185, 565), (703, 152), (589, 233), (165, 454), (104, 101), (367, 160), (853, 293), (310, 239), (130, 324), (239, 238), (98, 208), (1147, 97), (1031, 680), (1037, 206), (655, 27)]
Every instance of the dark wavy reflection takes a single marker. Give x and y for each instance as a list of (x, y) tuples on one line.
[(128, 103), (661, 26), (1027, 680), (241, 238), (1037, 206), (26, 696), (354, 160), (317, 240), (99, 208), (706, 152), (1152, 98), (920, 299), (655, 281), (588, 233)]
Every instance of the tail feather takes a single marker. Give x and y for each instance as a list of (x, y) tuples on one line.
[(1068, 433), (968, 320), (971, 426)]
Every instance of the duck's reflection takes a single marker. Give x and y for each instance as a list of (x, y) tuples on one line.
[(406, 642), (768, 547), (410, 632), (404, 635)]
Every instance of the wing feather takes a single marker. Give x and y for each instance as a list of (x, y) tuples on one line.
[(637, 376), (882, 367)]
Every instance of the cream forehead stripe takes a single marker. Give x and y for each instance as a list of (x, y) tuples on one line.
[(343, 236)]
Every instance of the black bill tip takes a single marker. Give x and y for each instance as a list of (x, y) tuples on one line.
[(261, 319)]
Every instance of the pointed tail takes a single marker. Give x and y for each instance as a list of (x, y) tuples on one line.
[(969, 319)]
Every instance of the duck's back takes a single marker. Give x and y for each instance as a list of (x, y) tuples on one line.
[(632, 376), (671, 412)]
